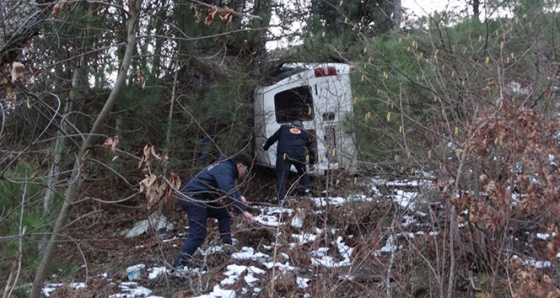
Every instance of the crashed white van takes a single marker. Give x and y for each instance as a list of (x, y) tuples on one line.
[(321, 96)]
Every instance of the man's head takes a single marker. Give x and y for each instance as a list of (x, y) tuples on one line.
[(244, 164), (297, 122)]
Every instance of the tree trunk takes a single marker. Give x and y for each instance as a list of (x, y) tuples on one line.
[(160, 23), (476, 8), (263, 8), (71, 191), (54, 172), (397, 14)]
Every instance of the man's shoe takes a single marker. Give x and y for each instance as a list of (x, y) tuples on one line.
[(183, 271), (228, 249)]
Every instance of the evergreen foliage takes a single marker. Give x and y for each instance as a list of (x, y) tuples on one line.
[(22, 222), (345, 18), (408, 84), (222, 116)]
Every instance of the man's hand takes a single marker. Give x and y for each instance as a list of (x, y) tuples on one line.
[(248, 216)]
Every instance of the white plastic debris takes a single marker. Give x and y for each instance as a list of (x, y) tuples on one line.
[(133, 272), (297, 220)]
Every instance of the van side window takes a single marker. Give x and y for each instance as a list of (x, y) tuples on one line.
[(295, 103)]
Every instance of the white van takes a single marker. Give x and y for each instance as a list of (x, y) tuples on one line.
[(321, 96)]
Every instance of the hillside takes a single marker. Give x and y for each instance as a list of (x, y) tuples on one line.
[(305, 251), (382, 243)]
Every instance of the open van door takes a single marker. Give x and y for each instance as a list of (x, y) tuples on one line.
[(321, 96)]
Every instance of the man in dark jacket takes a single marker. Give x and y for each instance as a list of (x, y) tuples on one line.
[(202, 198), (295, 147)]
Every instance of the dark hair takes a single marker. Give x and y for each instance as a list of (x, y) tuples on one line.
[(244, 159), (297, 122)]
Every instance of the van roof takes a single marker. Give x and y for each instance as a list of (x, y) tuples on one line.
[(285, 70)]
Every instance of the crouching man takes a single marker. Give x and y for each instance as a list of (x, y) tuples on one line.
[(201, 197)]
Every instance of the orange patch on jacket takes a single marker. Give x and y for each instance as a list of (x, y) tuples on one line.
[(295, 131)]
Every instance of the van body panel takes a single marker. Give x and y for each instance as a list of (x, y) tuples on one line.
[(321, 96)]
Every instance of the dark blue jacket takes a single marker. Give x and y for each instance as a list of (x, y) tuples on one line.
[(217, 180), (294, 141)]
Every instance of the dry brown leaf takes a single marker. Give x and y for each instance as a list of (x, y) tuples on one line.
[(4, 83), (164, 191), (17, 71), (112, 143), (147, 183), (211, 15), (157, 192), (208, 20), (174, 179), (56, 9), (175, 183), (152, 198), (154, 154), (147, 149), (227, 15), (161, 191), (10, 94), (167, 193), (115, 143), (62, 4), (212, 11), (140, 80), (196, 15), (146, 158)]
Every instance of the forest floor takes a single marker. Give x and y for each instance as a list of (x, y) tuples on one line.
[(369, 238), (100, 255)]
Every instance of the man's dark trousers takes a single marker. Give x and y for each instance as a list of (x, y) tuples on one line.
[(283, 166), (198, 211)]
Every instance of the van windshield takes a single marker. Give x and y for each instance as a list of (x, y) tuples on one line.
[(292, 104)]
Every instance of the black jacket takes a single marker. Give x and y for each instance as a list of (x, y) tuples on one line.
[(294, 141), (214, 182)]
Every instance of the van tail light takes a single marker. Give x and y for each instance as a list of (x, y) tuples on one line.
[(325, 71)]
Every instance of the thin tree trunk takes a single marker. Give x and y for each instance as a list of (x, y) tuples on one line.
[(54, 172), (71, 191), (162, 16), (170, 115), (397, 15), (60, 143), (476, 8)]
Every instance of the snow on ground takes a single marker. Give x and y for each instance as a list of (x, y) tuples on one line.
[(272, 217), (403, 193)]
